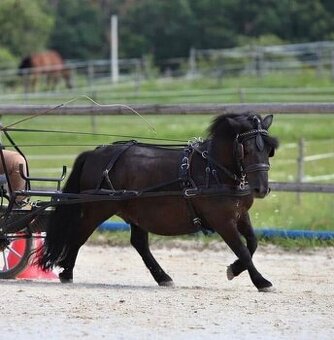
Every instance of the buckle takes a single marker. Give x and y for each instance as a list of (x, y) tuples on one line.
[(190, 192)]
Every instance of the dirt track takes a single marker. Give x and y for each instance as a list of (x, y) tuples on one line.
[(114, 297)]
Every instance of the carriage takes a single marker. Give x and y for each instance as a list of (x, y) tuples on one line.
[(21, 227), (203, 185)]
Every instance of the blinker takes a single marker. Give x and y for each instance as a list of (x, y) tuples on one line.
[(240, 151), (259, 142), (258, 139)]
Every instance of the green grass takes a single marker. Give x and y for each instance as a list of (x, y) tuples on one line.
[(279, 210), (304, 86), (200, 241)]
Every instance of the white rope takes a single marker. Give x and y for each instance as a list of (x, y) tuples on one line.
[(73, 100)]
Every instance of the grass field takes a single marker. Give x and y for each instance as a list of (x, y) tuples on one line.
[(304, 86)]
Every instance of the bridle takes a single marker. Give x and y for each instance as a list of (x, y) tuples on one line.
[(239, 150), (238, 146)]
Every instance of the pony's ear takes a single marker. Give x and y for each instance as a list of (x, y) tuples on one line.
[(267, 120)]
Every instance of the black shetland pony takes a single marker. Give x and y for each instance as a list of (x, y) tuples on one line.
[(208, 184)]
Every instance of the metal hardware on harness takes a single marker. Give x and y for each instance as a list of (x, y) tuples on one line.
[(185, 163), (107, 179), (242, 182), (195, 141), (190, 192), (184, 175), (197, 222)]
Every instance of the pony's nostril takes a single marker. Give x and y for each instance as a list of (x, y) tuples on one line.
[(261, 192)]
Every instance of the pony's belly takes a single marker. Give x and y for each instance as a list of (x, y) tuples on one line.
[(162, 216)]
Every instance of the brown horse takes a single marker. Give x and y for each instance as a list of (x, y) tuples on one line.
[(48, 64), (206, 185)]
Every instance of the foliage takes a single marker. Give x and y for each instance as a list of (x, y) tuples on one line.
[(24, 29), (6, 58), (164, 29), (157, 27), (79, 33)]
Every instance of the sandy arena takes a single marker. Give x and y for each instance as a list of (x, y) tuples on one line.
[(115, 297)]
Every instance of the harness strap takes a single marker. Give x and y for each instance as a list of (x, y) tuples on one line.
[(206, 156), (115, 156), (188, 184)]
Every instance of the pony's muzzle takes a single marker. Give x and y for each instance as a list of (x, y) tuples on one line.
[(261, 192)]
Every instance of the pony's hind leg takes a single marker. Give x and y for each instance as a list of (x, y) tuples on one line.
[(89, 221), (66, 276), (139, 240), (245, 228), (231, 236)]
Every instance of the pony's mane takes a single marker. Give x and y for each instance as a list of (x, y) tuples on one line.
[(231, 124), (227, 126)]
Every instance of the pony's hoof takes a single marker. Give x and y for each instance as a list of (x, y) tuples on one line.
[(229, 273), (65, 277), (270, 289), (66, 280), (167, 284)]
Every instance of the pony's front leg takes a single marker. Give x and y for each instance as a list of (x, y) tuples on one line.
[(139, 240), (231, 236), (246, 230)]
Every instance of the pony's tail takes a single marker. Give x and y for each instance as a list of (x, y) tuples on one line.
[(62, 224)]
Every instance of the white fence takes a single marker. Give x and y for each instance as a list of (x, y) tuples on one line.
[(246, 60)]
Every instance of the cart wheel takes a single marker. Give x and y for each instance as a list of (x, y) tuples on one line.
[(15, 250)]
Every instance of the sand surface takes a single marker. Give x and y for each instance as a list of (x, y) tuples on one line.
[(114, 297)]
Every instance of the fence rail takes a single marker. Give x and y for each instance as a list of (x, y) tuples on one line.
[(302, 187), (84, 110)]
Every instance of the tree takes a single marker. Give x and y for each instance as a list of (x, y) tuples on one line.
[(24, 29), (79, 30), (163, 28)]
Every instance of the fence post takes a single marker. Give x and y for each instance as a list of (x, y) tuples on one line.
[(319, 60), (192, 63), (91, 74), (259, 58), (332, 65), (300, 165), (241, 94)]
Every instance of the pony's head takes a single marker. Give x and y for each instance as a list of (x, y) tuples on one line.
[(24, 65), (251, 147)]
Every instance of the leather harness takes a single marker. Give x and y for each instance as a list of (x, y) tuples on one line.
[(188, 188)]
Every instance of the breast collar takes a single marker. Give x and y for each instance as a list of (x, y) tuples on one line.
[(211, 172)]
